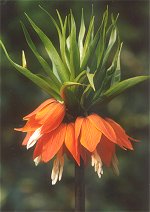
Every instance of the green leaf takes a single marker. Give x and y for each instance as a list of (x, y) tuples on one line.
[(60, 19), (50, 82), (81, 35), (43, 63), (80, 76), (34, 50), (101, 75), (112, 74), (67, 57), (117, 75), (74, 50), (111, 43), (124, 85), (62, 40), (52, 52), (97, 59), (68, 84), (61, 34), (55, 72), (91, 80), (118, 88), (89, 52), (37, 80), (87, 41), (53, 20), (114, 21)]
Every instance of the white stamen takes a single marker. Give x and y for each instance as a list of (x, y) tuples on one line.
[(57, 170), (60, 172), (34, 137), (54, 181), (93, 160), (61, 102), (37, 160), (97, 163), (61, 168)]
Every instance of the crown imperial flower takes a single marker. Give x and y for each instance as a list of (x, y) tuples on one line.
[(88, 137), (80, 81)]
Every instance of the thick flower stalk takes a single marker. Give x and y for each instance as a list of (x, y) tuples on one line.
[(85, 75)]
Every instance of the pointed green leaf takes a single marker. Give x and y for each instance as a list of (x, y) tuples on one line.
[(112, 73), (61, 34), (89, 52), (34, 50), (87, 40), (55, 71), (117, 75), (91, 80), (81, 35), (37, 80), (67, 57), (111, 43), (68, 84), (114, 21), (43, 63), (53, 20), (81, 75), (68, 43), (104, 54), (74, 50), (60, 19), (118, 88), (124, 85), (52, 52), (99, 51), (102, 42), (50, 82), (92, 15), (62, 40)]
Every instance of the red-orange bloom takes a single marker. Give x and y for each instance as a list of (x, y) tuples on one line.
[(88, 137), (57, 142), (44, 128), (99, 137), (46, 118)]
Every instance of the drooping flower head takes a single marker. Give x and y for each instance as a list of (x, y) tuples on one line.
[(86, 138), (79, 82)]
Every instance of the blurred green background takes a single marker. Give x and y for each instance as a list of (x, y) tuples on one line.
[(25, 187)]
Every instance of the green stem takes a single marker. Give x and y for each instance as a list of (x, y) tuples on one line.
[(79, 188)]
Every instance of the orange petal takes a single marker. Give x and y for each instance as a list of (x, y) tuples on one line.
[(133, 139), (45, 103), (122, 137), (78, 124), (71, 142), (38, 148), (28, 135), (103, 126), (90, 135), (46, 112), (54, 120), (31, 125), (52, 142), (106, 150)]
